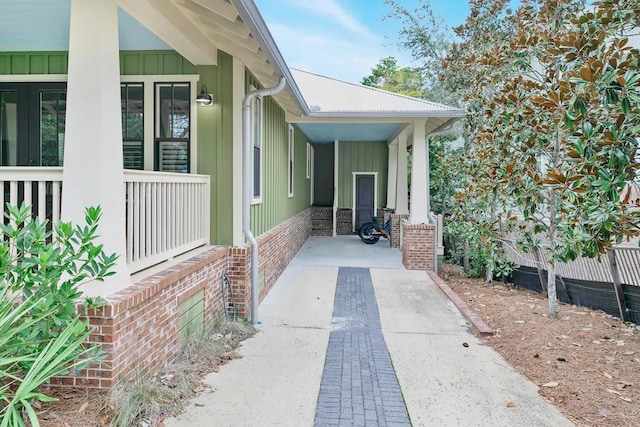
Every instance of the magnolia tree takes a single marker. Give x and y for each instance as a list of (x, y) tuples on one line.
[(557, 133), (475, 68)]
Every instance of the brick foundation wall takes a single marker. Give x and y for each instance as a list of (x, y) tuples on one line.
[(138, 327), (321, 221), (278, 246), (344, 222), (396, 219), (417, 246)]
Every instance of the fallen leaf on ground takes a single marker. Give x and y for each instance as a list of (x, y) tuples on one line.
[(83, 407), (511, 404), (604, 412), (551, 384), (608, 375)]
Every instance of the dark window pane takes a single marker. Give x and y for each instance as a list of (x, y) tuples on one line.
[(132, 97), (134, 111), (165, 111), (53, 108), (256, 172), (173, 156), (8, 128), (133, 154)]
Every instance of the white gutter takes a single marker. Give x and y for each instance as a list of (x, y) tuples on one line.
[(246, 188)]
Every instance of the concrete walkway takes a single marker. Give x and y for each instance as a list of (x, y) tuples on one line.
[(443, 383)]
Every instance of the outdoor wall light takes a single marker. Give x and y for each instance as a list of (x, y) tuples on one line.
[(204, 98)]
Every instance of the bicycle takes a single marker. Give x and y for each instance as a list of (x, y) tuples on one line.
[(370, 232)]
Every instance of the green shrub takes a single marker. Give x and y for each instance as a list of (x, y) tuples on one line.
[(41, 332)]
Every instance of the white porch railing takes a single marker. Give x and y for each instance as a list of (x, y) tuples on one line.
[(167, 214), (38, 187)]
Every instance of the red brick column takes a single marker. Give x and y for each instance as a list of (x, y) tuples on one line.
[(240, 275), (396, 219), (417, 246)]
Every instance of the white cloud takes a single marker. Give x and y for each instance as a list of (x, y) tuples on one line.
[(330, 54), (335, 14)]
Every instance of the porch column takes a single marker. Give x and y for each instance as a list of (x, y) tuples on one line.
[(402, 186), (93, 165), (392, 174), (336, 176), (419, 176)]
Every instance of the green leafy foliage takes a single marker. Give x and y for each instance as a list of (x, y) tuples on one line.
[(388, 76), (41, 331)]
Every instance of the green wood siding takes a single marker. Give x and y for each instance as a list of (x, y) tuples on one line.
[(158, 62), (215, 145), (361, 157), (155, 62), (33, 62), (277, 206)]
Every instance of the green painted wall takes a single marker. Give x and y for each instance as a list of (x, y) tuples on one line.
[(131, 63), (159, 62), (361, 157), (277, 206), (33, 62)]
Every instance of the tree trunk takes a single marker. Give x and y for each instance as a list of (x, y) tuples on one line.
[(551, 290), (489, 273), (465, 258)]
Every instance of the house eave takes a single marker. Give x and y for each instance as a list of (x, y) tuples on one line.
[(456, 114)]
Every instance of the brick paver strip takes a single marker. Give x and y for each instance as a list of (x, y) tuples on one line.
[(359, 386)]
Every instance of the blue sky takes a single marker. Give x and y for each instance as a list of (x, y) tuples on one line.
[(344, 39)]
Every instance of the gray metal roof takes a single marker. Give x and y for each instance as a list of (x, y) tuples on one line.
[(330, 97)]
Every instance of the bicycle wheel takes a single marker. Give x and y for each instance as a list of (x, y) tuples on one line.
[(366, 233)]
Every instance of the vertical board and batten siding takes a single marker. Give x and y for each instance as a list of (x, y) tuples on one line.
[(155, 62), (33, 62), (361, 156), (277, 206), (215, 145)]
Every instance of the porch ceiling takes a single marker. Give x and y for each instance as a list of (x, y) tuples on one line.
[(329, 132)]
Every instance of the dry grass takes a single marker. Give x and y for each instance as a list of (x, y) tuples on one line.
[(593, 358), (147, 403)]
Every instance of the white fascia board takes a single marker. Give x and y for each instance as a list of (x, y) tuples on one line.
[(391, 115)]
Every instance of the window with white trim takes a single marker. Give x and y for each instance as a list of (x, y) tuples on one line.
[(290, 163), (256, 153), (173, 125)]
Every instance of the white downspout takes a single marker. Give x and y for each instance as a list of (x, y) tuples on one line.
[(246, 188)]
